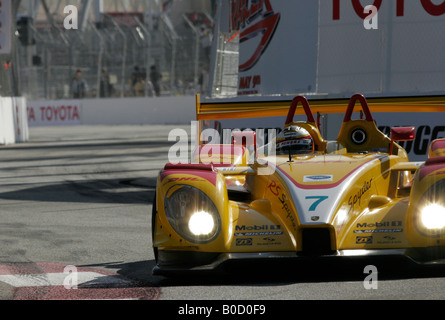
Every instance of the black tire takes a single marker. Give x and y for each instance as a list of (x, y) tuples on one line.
[(153, 225)]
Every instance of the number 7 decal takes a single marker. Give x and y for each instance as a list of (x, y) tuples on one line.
[(319, 199)]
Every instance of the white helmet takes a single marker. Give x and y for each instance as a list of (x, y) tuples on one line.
[(294, 139)]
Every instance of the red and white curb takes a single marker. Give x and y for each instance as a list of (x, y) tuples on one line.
[(55, 281)]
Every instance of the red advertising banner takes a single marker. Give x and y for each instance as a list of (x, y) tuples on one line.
[(54, 113)]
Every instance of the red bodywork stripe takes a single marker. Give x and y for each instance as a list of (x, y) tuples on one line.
[(328, 185)]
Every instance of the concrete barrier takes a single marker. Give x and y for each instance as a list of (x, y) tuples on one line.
[(20, 118), (159, 110), (13, 120), (116, 111), (6, 121)]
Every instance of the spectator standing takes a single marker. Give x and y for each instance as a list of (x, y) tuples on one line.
[(105, 89), (134, 79), (79, 87), (139, 87), (155, 78)]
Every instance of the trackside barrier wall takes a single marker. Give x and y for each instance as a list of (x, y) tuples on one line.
[(13, 120), (20, 118), (7, 135), (120, 111)]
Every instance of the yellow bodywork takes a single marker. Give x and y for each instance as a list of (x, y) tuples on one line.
[(355, 197)]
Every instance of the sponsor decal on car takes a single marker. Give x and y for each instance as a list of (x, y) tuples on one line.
[(363, 240), (195, 179), (356, 198), (318, 178), (268, 241), (389, 239), (244, 242), (379, 227), (276, 190), (258, 230)]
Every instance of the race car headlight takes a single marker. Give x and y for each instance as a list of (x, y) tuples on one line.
[(201, 223), (431, 210), (432, 216), (192, 214)]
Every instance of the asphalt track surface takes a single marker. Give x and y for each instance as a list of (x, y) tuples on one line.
[(82, 196)]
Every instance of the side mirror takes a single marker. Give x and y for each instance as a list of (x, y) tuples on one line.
[(437, 148), (401, 134)]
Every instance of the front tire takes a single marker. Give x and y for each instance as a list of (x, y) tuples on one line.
[(154, 213)]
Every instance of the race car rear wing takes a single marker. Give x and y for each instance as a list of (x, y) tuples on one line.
[(262, 114), (231, 109)]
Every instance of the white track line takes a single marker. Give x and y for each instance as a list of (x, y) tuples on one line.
[(60, 279)]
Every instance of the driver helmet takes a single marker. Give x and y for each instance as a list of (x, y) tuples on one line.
[(296, 139)]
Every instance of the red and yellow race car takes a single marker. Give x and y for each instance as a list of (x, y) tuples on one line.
[(301, 196)]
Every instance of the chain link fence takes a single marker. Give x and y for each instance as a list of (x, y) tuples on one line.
[(116, 57)]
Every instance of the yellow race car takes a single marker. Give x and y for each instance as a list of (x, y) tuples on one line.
[(306, 198)]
